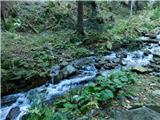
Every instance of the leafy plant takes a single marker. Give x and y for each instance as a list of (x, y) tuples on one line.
[(105, 95), (156, 14), (10, 24), (95, 96)]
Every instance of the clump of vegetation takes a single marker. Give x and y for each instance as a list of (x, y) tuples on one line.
[(156, 14), (31, 56), (38, 35), (51, 36), (81, 103)]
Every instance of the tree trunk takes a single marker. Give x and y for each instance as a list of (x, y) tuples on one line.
[(7, 10), (131, 7), (80, 28), (4, 10), (94, 8), (3, 20)]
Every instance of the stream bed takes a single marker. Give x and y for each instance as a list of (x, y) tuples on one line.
[(15, 106)]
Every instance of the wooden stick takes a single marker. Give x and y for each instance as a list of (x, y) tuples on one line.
[(34, 30)]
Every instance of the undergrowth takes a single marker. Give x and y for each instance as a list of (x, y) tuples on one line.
[(87, 103), (26, 55)]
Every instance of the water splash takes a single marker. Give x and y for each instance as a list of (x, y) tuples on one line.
[(137, 58)]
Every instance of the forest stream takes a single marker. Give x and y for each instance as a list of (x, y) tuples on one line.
[(84, 69)]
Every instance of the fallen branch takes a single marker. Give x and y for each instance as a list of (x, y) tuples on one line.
[(49, 27), (34, 30), (142, 33)]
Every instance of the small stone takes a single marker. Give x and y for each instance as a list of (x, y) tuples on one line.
[(55, 70), (111, 57), (144, 38), (91, 53), (111, 65), (64, 63), (158, 36), (147, 52), (64, 73), (70, 69), (139, 69), (156, 54), (156, 93), (153, 84)]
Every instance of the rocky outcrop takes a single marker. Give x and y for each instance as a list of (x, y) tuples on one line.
[(66, 70), (57, 74), (155, 63), (156, 93), (142, 113)]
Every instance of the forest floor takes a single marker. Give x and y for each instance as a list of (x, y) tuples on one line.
[(28, 57), (146, 91)]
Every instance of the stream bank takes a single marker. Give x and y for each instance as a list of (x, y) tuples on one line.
[(76, 74)]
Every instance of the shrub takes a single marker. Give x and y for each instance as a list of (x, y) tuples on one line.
[(95, 96)]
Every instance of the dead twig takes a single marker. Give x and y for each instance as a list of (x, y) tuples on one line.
[(33, 29)]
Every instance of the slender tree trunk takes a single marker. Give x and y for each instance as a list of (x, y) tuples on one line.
[(131, 7), (3, 20), (136, 6), (3, 12), (94, 8), (80, 28)]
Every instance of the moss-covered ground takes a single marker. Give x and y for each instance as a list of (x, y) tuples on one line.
[(26, 57)]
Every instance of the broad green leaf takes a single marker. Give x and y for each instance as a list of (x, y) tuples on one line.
[(99, 78), (59, 116), (109, 45), (68, 105), (105, 95)]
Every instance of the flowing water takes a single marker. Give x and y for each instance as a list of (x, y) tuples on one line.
[(48, 91)]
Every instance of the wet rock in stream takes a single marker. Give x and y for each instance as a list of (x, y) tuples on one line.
[(13, 113), (155, 63), (8, 100), (140, 69), (58, 74), (67, 70), (84, 61), (157, 54)]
